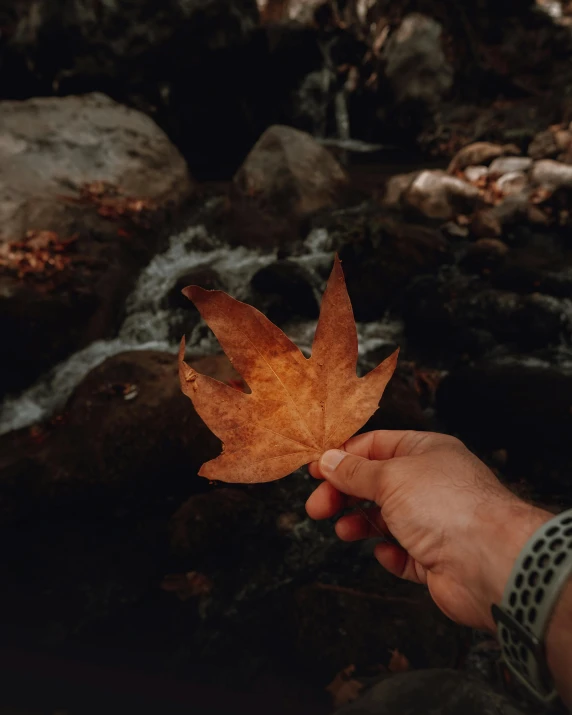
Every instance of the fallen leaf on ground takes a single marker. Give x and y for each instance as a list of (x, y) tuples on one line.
[(344, 689), (298, 407), (187, 585), (398, 663)]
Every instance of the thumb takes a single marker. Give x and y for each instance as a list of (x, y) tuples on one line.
[(351, 475)]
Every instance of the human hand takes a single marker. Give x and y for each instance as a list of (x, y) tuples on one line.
[(459, 529)]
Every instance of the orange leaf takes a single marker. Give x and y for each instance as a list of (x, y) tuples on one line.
[(344, 688), (299, 407), (398, 663)]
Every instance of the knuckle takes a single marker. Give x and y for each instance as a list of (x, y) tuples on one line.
[(354, 468)]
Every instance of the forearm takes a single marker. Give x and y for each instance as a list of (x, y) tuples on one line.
[(559, 645), (520, 522)]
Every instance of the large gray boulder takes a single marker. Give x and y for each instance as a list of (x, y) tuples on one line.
[(86, 185), (52, 147)]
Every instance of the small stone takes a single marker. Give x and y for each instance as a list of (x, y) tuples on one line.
[(510, 164), (480, 153), (485, 253), (552, 174), (474, 173), (397, 187), (440, 196), (485, 224), (452, 229), (543, 146), (512, 182)]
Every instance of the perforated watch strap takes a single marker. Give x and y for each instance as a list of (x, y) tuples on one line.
[(534, 586)]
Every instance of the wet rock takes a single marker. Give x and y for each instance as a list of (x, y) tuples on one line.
[(381, 257), (513, 182), (396, 188), (552, 174), (543, 146), (286, 177), (183, 316), (203, 276), (480, 153), (126, 434), (474, 173), (437, 195), (434, 692), (492, 222), (86, 186), (509, 164), (415, 63), (285, 290), (554, 143), (464, 316), (541, 263), (485, 253)]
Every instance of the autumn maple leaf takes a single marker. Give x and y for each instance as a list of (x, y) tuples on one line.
[(299, 407)]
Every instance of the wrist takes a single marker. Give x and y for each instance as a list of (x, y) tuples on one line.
[(510, 526)]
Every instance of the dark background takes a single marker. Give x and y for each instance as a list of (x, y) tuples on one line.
[(147, 145)]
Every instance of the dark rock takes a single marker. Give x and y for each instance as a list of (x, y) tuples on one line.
[(381, 257), (494, 222), (204, 276), (183, 316), (286, 177), (509, 404), (485, 253), (94, 183), (553, 143), (462, 316), (401, 406), (126, 435), (538, 262), (284, 290), (415, 64), (433, 692)]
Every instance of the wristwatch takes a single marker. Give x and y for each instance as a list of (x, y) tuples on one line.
[(531, 594)]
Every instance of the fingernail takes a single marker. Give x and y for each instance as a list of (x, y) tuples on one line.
[(331, 459)]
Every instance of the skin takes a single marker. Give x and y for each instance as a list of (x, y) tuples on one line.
[(458, 528)]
